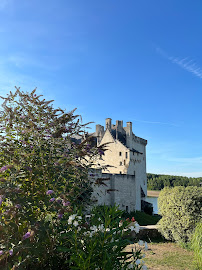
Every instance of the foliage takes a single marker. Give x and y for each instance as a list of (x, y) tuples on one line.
[(158, 181), (196, 245), (180, 208), (100, 243), (43, 185), (142, 218)]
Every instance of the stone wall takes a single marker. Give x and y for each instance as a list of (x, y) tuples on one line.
[(120, 190)]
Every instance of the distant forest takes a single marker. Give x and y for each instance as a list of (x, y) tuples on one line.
[(158, 181)]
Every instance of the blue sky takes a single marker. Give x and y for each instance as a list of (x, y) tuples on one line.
[(138, 61)]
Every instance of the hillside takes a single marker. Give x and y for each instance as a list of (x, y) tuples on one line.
[(159, 181)]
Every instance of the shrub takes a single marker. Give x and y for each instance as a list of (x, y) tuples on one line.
[(180, 208), (196, 245), (44, 186), (100, 243), (142, 218), (43, 174)]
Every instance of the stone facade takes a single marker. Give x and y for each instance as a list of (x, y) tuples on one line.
[(119, 189), (126, 155)]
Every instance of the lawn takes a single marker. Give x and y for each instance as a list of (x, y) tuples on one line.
[(167, 256)]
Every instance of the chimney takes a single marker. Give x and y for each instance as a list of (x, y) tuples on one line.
[(129, 137), (119, 125), (129, 128), (99, 132), (108, 122)]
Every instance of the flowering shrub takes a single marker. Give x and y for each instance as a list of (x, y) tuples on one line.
[(44, 191), (97, 241)]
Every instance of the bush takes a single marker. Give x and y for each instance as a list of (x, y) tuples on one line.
[(142, 218), (44, 191), (196, 245), (180, 208)]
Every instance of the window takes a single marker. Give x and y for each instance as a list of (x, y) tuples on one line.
[(120, 163), (126, 155), (120, 154), (126, 208), (124, 162), (120, 172)]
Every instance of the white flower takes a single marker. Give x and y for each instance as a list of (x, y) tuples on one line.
[(79, 217), (69, 221), (137, 230), (101, 228), (145, 246), (141, 243), (93, 228), (144, 267), (75, 223), (138, 262), (107, 229), (71, 218), (132, 228), (137, 227)]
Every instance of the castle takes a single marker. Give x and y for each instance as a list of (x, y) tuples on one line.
[(126, 155)]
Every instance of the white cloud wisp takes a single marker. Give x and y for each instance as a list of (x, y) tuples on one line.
[(185, 63)]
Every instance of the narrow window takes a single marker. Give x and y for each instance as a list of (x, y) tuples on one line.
[(120, 172), (126, 155), (126, 208), (120, 153), (120, 163), (124, 162)]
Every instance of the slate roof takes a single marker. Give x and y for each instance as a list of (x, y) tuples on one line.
[(118, 135)]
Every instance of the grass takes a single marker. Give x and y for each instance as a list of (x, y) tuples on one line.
[(143, 218), (167, 256)]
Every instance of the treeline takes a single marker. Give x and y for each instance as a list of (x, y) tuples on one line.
[(159, 181)]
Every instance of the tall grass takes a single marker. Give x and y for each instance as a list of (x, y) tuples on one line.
[(196, 245)]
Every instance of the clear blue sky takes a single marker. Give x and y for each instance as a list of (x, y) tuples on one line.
[(130, 60)]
